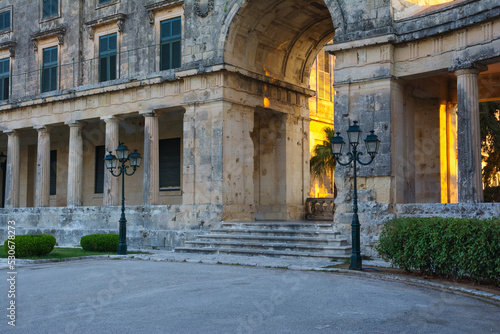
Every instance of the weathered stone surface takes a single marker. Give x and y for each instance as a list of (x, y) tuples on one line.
[(239, 104)]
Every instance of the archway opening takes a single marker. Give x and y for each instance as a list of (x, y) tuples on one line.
[(274, 44)]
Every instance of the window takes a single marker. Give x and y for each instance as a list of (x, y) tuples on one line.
[(53, 172), (4, 78), (50, 8), (107, 57), (170, 164), (49, 70), (104, 1), (99, 169), (5, 20), (170, 52)]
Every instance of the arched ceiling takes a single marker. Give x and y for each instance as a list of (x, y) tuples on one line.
[(278, 38)]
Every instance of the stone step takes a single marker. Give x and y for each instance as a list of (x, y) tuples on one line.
[(281, 239), (280, 225), (267, 232), (332, 250), (251, 252)]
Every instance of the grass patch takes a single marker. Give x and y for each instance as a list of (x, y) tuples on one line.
[(63, 253)]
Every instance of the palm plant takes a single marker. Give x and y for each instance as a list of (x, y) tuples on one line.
[(322, 162)]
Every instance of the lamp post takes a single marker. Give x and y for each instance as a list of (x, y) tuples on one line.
[(372, 145), (111, 162), (3, 161)]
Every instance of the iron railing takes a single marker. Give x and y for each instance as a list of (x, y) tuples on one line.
[(130, 64)]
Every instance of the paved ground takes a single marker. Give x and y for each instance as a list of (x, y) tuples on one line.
[(139, 296)]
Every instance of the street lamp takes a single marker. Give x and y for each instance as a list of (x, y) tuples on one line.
[(111, 162), (372, 145), (3, 161)]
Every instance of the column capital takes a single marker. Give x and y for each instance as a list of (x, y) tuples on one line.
[(11, 132), (111, 119), (467, 67), (42, 128), (71, 124), (149, 113)]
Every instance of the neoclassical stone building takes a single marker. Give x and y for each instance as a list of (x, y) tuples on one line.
[(215, 95)]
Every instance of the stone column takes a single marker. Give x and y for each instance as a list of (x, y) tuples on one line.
[(42, 186), (151, 184), (111, 186), (470, 186), (75, 164), (12, 170)]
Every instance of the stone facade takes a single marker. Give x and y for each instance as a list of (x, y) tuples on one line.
[(239, 105)]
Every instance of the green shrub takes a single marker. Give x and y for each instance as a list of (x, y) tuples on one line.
[(444, 246), (29, 245), (100, 242)]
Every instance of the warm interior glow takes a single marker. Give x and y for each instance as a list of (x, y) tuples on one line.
[(321, 114), (443, 152), (267, 103), (448, 154)]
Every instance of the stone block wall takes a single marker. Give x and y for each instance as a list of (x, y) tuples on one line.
[(163, 227)]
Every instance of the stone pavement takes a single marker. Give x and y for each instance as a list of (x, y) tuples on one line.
[(139, 296), (291, 263)]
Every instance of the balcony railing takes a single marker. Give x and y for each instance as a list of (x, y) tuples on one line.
[(130, 64)]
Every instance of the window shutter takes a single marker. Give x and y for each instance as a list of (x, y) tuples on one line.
[(165, 57), (99, 170), (176, 54), (170, 164), (53, 172)]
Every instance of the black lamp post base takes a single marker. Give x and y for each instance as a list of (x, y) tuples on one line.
[(122, 249), (356, 263)]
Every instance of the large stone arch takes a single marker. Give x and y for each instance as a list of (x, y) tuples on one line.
[(278, 38), (271, 45)]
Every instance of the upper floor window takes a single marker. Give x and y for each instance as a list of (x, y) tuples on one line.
[(107, 57), (4, 78), (170, 52), (49, 69), (50, 8), (5, 20), (104, 1)]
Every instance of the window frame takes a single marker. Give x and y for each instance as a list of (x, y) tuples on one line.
[(170, 41), (108, 56), (159, 15), (3, 11), (3, 78), (169, 188), (99, 5), (52, 16), (50, 67)]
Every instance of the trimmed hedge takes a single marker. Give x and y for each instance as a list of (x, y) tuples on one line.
[(100, 242), (444, 246), (30, 245)]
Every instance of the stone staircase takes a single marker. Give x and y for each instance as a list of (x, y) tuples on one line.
[(281, 239)]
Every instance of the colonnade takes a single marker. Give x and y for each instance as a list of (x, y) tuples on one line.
[(75, 164)]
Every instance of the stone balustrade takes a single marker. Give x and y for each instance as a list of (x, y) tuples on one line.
[(320, 208)]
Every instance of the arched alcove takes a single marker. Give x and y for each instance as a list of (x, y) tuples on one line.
[(278, 38)]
